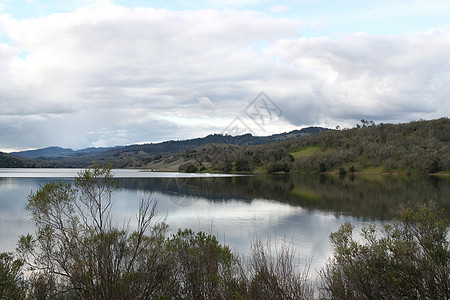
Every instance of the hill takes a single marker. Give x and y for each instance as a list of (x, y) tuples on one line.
[(45, 153), (138, 156), (13, 161), (369, 148), (54, 152), (415, 147), (246, 139)]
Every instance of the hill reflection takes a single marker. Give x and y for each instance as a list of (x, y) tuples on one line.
[(367, 197)]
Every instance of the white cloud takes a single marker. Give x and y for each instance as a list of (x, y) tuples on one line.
[(387, 78)]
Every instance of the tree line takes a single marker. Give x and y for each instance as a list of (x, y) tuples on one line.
[(414, 147)]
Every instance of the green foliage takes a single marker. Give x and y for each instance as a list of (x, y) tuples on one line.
[(76, 253), (13, 161), (415, 147), (305, 152), (244, 164), (53, 199), (419, 147), (144, 155), (222, 160), (12, 284), (278, 166), (410, 261), (202, 268), (77, 249), (42, 286), (188, 168)]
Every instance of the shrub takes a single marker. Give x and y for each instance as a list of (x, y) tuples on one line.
[(243, 164), (12, 285), (273, 274), (77, 249), (201, 267), (188, 168), (410, 261), (277, 166), (322, 167), (76, 253)]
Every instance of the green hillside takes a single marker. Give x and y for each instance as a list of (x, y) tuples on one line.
[(415, 147), (138, 156), (12, 161)]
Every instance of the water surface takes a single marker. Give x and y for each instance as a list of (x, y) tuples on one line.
[(304, 210)]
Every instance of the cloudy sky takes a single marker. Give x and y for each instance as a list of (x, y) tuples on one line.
[(102, 73)]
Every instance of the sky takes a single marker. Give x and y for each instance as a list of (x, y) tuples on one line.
[(80, 74)]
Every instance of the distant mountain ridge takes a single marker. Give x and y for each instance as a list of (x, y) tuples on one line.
[(182, 145), (45, 152), (127, 156), (55, 151), (167, 146), (14, 161), (416, 147)]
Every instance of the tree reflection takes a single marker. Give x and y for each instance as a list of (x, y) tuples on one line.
[(373, 197)]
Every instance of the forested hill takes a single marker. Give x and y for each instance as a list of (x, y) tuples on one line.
[(43, 153), (140, 155), (246, 139), (12, 161), (52, 152), (419, 146), (414, 147)]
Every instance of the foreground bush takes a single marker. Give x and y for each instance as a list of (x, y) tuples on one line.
[(273, 274), (76, 253), (202, 268), (411, 260), (12, 284), (76, 248)]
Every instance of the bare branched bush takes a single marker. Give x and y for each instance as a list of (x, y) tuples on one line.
[(273, 274), (77, 248)]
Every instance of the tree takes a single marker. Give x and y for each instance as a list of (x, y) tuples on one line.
[(202, 267), (12, 284), (77, 247), (188, 168), (243, 164), (410, 261)]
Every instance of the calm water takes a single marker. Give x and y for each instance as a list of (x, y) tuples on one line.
[(304, 210)]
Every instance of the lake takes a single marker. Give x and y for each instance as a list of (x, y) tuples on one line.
[(302, 209)]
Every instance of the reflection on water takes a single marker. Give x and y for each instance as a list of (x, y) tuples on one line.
[(301, 209), (365, 197)]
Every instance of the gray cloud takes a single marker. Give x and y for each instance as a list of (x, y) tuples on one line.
[(113, 75), (388, 78)]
